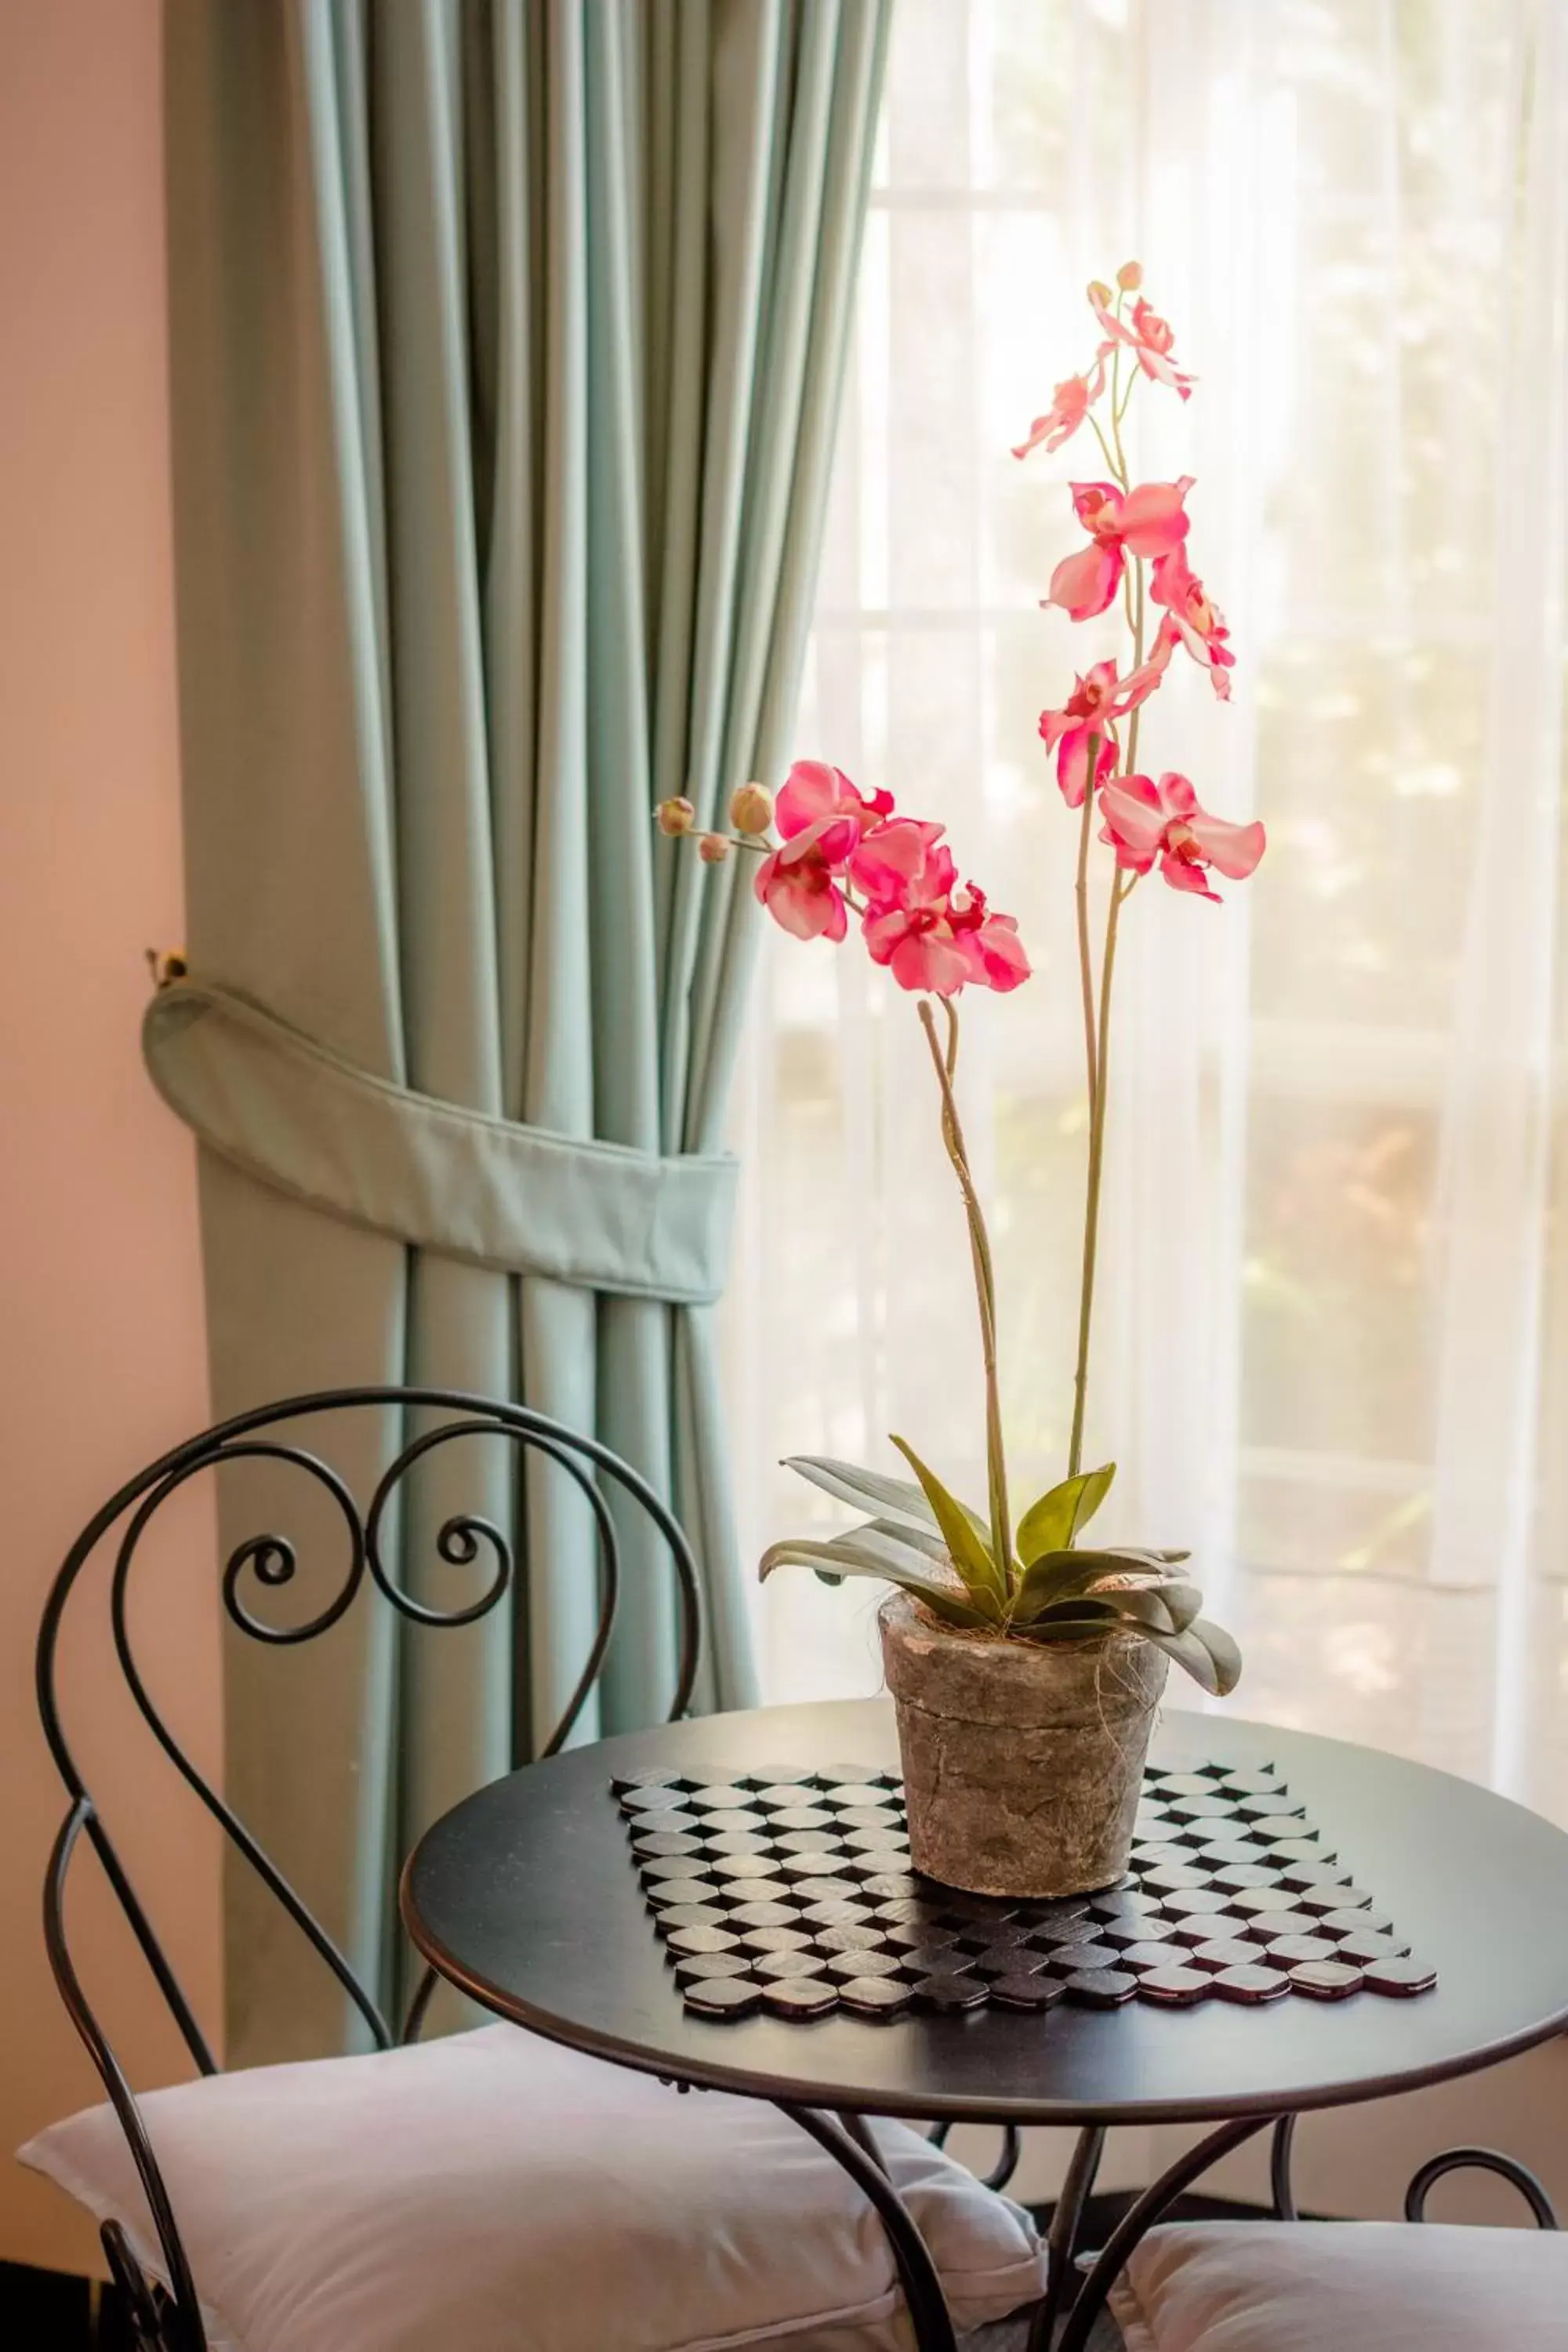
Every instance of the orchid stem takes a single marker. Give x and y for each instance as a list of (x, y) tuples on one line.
[(1104, 443), (1097, 1036), (1096, 1166), (1119, 461), (1137, 711), (946, 1065), (1091, 1197), (1084, 958), (1127, 396), (1092, 1052)]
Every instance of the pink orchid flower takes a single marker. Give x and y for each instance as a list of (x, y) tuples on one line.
[(1070, 405), (1098, 700), (823, 819), (909, 926), (1191, 619), (1149, 338), (894, 858), (801, 896), (1150, 521), (935, 936), (919, 946), (818, 808), (995, 951), (1145, 820), (916, 918)]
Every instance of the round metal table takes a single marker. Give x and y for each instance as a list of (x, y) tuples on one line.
[(524, 1896)]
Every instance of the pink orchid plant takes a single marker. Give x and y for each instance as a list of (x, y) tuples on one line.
[(1138, 545), (829, 854)]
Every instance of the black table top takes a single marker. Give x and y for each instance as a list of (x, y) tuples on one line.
[(525, 1896)]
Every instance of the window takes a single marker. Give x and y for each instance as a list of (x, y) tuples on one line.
[(1329, 1346)]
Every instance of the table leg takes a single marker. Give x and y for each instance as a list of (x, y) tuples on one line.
[(1066, 2221), (865, 2139), (929, 2314), (1279, 2180), (1155, 2201)]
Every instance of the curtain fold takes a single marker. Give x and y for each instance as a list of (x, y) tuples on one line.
[(507, 337)]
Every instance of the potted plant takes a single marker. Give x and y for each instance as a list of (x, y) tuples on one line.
[(1025, 1665)]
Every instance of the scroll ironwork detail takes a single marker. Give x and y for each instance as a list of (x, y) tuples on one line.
[(168, 2318)]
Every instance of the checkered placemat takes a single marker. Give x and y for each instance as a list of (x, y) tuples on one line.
[(790, 1890)]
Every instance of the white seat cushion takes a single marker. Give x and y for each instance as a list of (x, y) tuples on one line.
[(494, 2192), (1345, 2286)]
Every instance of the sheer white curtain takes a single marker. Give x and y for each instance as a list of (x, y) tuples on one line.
[(1330, 1345)]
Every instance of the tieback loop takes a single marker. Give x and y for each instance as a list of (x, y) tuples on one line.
[(520, 1200)]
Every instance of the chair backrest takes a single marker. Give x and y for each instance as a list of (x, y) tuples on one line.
[(171, 2322)]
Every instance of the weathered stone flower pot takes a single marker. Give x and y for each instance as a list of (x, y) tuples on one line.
[(1022, 1760)]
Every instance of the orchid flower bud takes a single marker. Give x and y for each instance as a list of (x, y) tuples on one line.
[(1130, 276), (712, 849), (675, 816), (1099, 293), (751, 808)]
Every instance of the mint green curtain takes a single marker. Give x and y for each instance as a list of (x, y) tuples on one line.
[(506, 343)]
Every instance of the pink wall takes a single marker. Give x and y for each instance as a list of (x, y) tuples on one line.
[(100, 1327)]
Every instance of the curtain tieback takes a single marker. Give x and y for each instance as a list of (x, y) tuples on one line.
[(518, 1199)]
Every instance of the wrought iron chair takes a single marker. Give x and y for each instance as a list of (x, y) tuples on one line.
[(165, 2312), (1201, 2297), (1323, 2286), (169, 2319)]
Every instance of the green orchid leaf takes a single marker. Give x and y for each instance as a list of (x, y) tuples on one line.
[(1133, 1612), (1078, 1621), (903, 1544), (1136, 1606), (962, 1532), (1034, 1594), (1205, 1651), (926, 1541), (862, 1543), (1168, 1602), (1201, 1649), (1141, 1611), (1053, 1577), (847, 1556), (1053, 1522), (865, 1490), (1183, 1599), (1056, 1573)]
